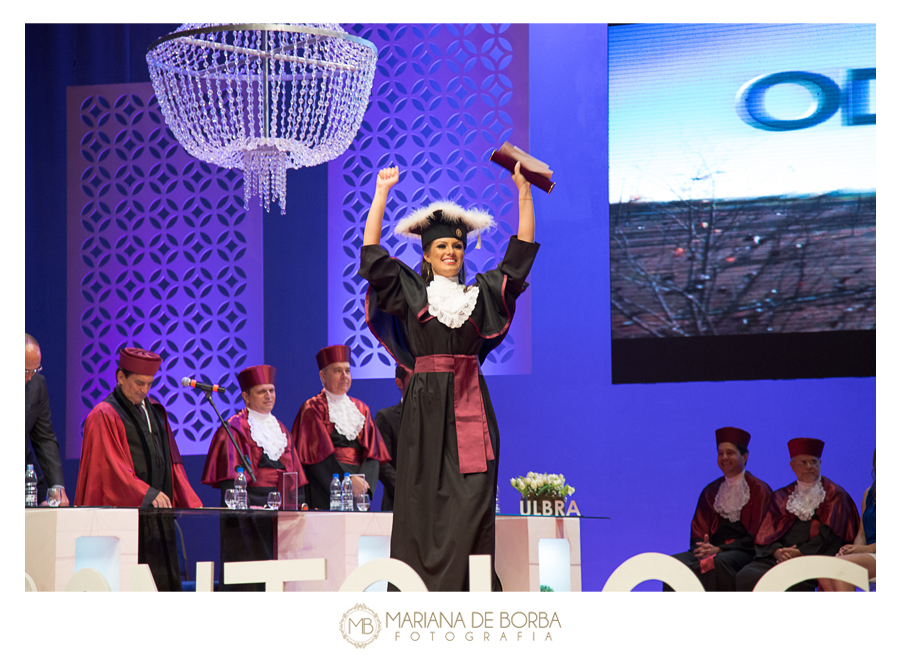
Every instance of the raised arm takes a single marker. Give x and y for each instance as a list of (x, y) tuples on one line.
[(386, 179), (526, 206)]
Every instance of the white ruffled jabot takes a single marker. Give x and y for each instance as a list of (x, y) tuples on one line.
[(347, 419), (805, 498), (266, 433), (733, 494), (450, 302)]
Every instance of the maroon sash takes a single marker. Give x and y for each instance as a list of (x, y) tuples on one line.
[(349, 455), (472, 437)]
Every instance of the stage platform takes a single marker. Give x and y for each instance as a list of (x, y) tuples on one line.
[(531, 550)]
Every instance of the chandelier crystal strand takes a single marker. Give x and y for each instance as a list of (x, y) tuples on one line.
[(263, 98)]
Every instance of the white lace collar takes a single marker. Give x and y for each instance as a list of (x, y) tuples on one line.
[(266, 433), (348, 420), (805, 498), (733, 494), (450, 302)]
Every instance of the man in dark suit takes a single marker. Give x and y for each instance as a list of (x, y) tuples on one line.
[(387, 421), (38, 428)]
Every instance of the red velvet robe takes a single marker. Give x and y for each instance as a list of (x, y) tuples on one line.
[(706, 518), (222, 458), (837, 511), (312, 433), (106, 474)]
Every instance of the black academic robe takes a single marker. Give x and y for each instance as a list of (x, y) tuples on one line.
[(834, 523), (320, 446), (446, 476), (387, 421), (247, 537), (735, 539), (125, 463)]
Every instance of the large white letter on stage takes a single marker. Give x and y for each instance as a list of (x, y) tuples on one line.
[(479, 573), (629, 574), (204, 581), (141, 579), (652, 566), (88, 580), (809, 567), (398, 573), (274, 573)]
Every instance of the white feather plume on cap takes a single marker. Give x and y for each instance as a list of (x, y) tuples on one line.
[(473, 220)]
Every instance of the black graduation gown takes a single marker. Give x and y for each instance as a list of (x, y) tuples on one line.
[(243, 537), (318, 491), (441, 516), (824, 542), (157, 537), (387, 421), (737, 547)]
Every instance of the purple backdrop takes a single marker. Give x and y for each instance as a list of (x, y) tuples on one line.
[(637, 453), (162, 255), (443, 98)]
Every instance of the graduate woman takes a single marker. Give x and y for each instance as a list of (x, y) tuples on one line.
[(441, 329)]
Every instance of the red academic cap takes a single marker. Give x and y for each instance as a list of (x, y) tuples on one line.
[(256, 375), (332, 354), (805, 446), (732, 435), (138, 361)]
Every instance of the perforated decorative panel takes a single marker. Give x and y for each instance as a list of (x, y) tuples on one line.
[(162, 255), (443, 98)]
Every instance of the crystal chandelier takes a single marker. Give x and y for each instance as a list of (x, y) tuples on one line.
[(264, 97)]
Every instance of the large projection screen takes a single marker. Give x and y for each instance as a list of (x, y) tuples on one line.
[(742, 201)]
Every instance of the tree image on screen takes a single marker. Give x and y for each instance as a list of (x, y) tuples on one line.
[(707, 267)]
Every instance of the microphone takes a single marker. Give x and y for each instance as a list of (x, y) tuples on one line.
[(193, 383)]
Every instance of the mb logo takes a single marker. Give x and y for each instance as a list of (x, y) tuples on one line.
[(360, 626)]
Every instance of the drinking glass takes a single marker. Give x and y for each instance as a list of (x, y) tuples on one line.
[(273, 500), (362, 502), (54, 497), (230, 501)]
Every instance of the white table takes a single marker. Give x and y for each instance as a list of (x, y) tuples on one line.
[(51, 539)]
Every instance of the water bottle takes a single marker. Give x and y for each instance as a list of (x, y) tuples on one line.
[(497, 504), (336, 493), (240, 490), (30, 487), (347, 494)]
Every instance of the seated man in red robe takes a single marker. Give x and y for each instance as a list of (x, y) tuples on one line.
[(811, 516), (728, 515), (129, 458), (335, 433), (261, 437), (269, 449)]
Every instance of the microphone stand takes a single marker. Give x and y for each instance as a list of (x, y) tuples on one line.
[(243, 457)]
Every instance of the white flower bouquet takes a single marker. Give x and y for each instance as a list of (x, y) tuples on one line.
[(542, 485)]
